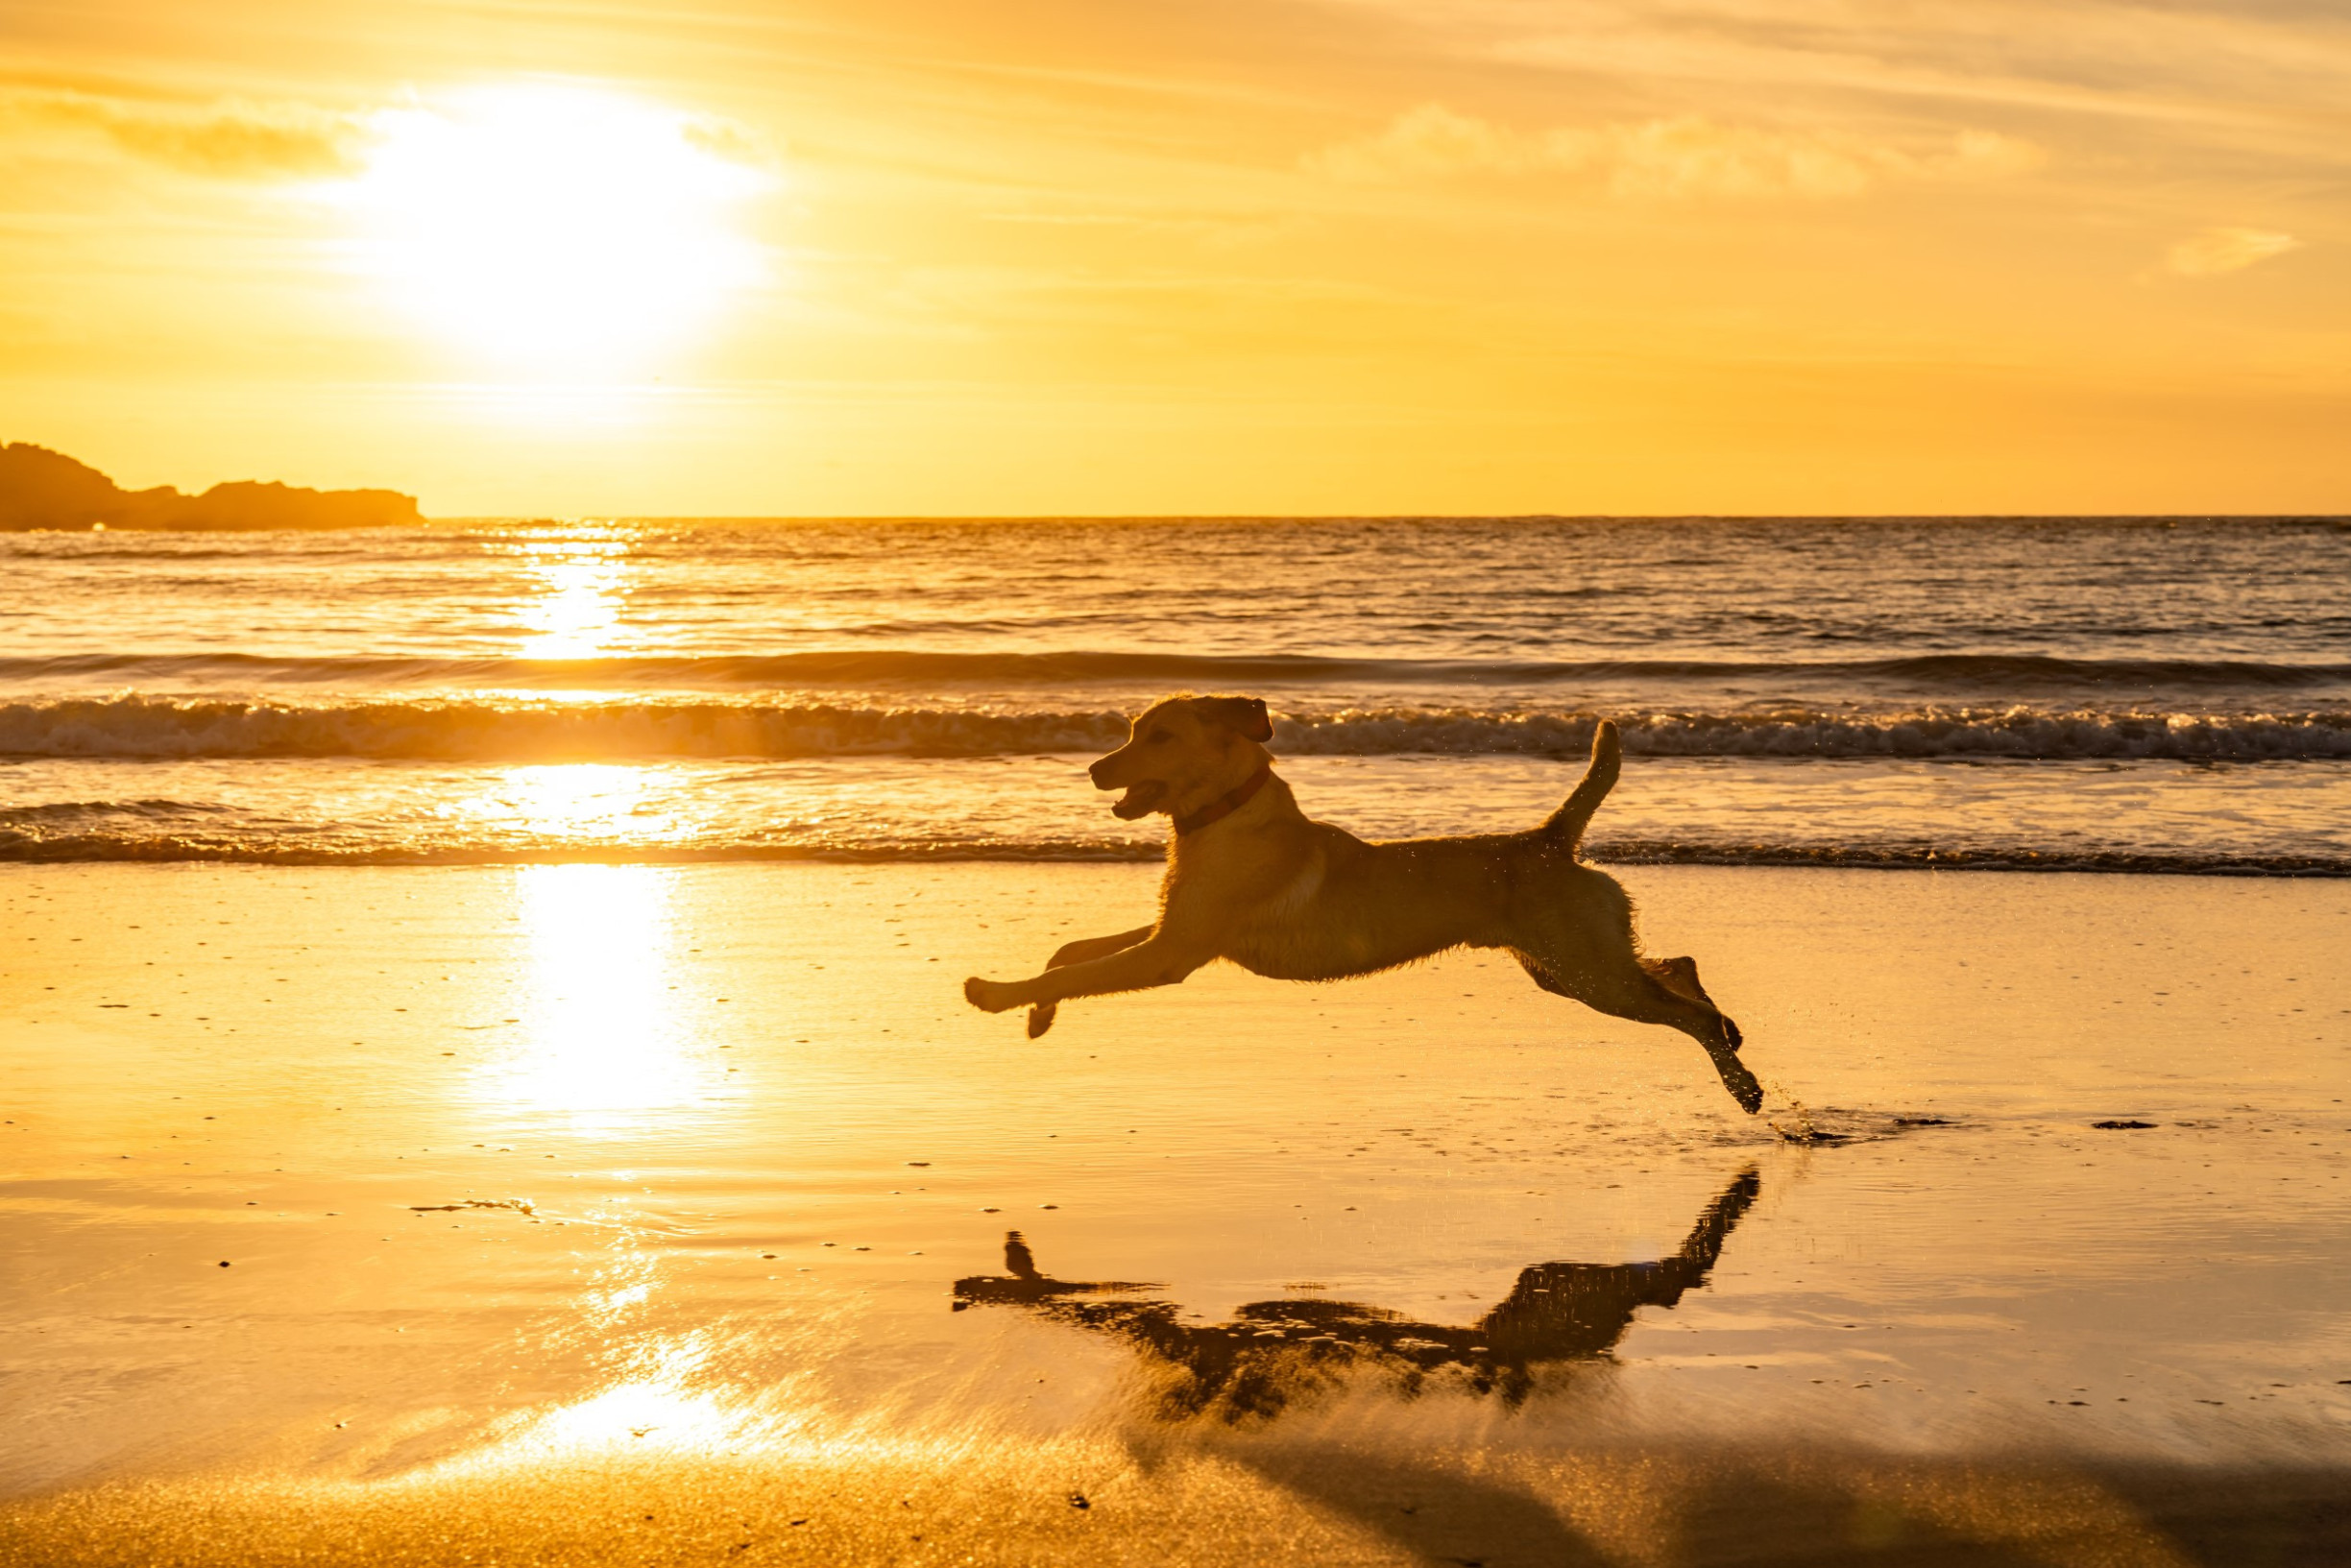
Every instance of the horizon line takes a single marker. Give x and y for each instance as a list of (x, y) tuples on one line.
[(2331, 517)]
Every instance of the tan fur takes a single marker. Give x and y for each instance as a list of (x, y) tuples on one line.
[(1292, 898)]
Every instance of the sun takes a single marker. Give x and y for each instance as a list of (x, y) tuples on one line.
[(554, 228)]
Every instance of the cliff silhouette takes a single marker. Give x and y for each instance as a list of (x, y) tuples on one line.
[(42, 489)]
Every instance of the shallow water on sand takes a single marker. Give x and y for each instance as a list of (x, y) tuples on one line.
[(526, 1171)]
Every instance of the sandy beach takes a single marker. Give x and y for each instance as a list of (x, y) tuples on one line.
[(612, 1214), (584, 582)]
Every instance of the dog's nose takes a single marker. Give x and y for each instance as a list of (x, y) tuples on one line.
[(1095, 773)]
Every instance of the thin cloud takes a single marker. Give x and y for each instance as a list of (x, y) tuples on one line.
[(2249, 74), (730, 142), (1685, 156), (2219, 251), (233, 140)]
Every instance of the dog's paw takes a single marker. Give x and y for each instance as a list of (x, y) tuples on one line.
[(988, 995), (1040, 1019)]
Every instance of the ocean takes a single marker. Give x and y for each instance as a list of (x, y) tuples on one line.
[(2120, 694)]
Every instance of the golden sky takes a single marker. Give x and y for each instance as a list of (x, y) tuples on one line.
[(1187, 256)]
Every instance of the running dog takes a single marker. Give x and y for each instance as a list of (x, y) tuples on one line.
[(1252, 879)]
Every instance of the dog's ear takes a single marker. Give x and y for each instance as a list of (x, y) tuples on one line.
[(1245, 717)]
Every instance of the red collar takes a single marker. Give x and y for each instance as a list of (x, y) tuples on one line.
[(1226, 804)]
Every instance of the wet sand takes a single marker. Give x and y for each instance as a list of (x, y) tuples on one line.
[(660, 1213)]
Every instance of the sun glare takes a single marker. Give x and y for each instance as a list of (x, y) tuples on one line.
[(582, 577), (607, 1040), (556, 229)]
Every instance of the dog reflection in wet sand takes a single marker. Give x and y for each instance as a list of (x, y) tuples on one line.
[(1271, 1352), (1252, 879)]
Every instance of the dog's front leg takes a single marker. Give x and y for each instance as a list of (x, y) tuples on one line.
[(1041, 1016), (1159, 959)]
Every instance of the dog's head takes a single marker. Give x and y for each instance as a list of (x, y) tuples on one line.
[(1183, 749)]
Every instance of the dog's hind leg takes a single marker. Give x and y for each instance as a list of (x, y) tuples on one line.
[(1636, 990), (1680, 975)]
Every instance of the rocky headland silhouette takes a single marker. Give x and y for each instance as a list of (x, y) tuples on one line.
[(44, 488)]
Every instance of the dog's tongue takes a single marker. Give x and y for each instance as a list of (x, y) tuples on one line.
[(1138, 799)]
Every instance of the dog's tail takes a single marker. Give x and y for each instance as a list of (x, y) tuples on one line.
[(1565, 828)]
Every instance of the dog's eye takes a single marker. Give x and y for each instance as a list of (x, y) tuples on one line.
[(1158, 736)]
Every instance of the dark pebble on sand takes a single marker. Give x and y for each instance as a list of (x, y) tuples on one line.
[(1078, 1500), (224, 1263)]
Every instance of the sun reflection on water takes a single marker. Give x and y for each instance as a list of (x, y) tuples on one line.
[(582, 578), (656, 1407), (606, 1038), (572, 800), (664, 1406)]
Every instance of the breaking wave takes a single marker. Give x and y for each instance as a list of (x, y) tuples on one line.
[(20, 846), (460, 730)]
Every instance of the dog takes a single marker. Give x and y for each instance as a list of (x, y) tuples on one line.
[(1253, 879)]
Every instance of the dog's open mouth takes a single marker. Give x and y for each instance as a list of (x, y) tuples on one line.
[(1140, 798)]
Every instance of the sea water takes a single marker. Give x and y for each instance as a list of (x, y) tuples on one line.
[(2125, 694)]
